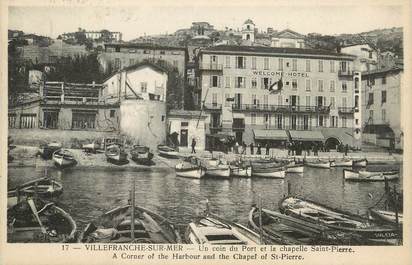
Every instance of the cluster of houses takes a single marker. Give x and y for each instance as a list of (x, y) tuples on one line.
[(250, 93)]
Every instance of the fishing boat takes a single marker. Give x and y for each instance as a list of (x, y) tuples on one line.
[(366, 173), (91, 148), (386, 216), (243, 171), (351, 175), (190, 168), (212, 229), (278, 228), (269, 172), (43, 187), (219, 171), (63, 158), (360, 162), (46, 150), (317, 163), (116, 155), (345, 162), (38, 221), (295, 169), (339, 220), (130, 224), (141, 154), (167, 152)]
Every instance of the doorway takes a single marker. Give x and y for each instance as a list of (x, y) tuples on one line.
[(183, 137)]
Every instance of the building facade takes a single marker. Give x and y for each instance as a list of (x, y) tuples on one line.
[(366, 56), (248, 31), (383, 98), (288, 39), (316, 103)]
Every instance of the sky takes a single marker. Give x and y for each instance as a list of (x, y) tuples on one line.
[(135, 21)]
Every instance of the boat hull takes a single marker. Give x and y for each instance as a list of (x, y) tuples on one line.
[(360, 163), (295, 169), (350, 175), (341, 163), (218, 172), (386, 216), (269, 172), (325, 165), (169, 154), (195, 173), (63, 159), (244, 172)]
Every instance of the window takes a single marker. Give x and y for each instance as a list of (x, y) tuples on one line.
[(117, 63), (254, 101), (240, 82), (227, 81), (307, 101), (213, 59), (214, 99), (307, 65), (320, 66), (342, 66), (357, 121), (175, 63), (253, 62), (293, 122), (307, 84), (332, 66), (294, 84), (266, 63), (83, 120), (383, 97), (370, 120), (332, 86), (370, 99), (254, 82), (131, 61), (28, 121), (344, 87), (332, 102), (370, 81), (280, 64), (265, 83), (143, 86), (383, 115), (184, 124), (279, 121), (163, 118), (265, 101), (334, 121), (356, 84), (240, 62), (162, 52), (50, 119), (356, 101), (294, 65), (287, 64), (321, 121), (344, 101), (253, 118), (215, 81), (266, 120), (227, 103), (112, 113), (344, 122), (383, 80), (306, 122), (320, 85), (227, 61)]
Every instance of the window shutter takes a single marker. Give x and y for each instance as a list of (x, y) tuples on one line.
[(219, 81), (211, 81), (244, 62)]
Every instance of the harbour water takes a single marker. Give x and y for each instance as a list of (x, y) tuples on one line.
[(88, 193)]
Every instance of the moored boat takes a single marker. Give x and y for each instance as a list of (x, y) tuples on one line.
[(116, 226), (116, 155), (190, 168), (365, 173), (360, 162), (214, 230), (43, 187), (219, 171), (46, 150), (351, 175), (63, 158), (38, 221), (317, 164), (244, 171), (141, 154), (338, 220), (345, 162), (269, 172), (295, 169), (91, 148), (167, 151), (386, 216)]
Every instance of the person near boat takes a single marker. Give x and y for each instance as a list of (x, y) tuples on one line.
[(193, 146), (251, 148), (243, 148), (259, 150), (267, 149)]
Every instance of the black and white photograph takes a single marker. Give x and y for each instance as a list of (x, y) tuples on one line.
[(205, 125)]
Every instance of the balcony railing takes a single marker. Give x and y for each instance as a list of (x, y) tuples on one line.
[(346, 110), (212, 106), (280, 108), (212, 67), (346, 73)]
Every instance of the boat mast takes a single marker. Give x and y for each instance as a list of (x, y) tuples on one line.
[(133, 202)]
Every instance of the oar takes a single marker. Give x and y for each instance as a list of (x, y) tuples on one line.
[(34, 210)]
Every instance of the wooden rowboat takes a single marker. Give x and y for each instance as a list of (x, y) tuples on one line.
[(116, 155), (190, 168), (351, 175), (141, 154), (46, 150), (214, 230), (243, 171), (317, 164), (115, 226), (269, 172), (38, 221), (219, 171), (63, 158), (341, 163), (338, 220), (167, 152), (360, 163)]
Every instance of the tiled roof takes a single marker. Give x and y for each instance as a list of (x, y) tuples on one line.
[(279, 50), (144, 46)]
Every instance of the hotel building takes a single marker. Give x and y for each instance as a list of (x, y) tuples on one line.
[(319, 100)]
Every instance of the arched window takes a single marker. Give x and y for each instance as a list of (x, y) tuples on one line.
[(248, 36)]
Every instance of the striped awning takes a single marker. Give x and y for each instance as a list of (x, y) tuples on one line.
[(270, 135), (307, 135)]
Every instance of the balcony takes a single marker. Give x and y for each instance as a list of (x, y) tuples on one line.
[(346, 110), (280, 108), (346, 73), (212, 107), (211, 67)]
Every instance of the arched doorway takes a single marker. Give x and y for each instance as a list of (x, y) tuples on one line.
[(331, 143)]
